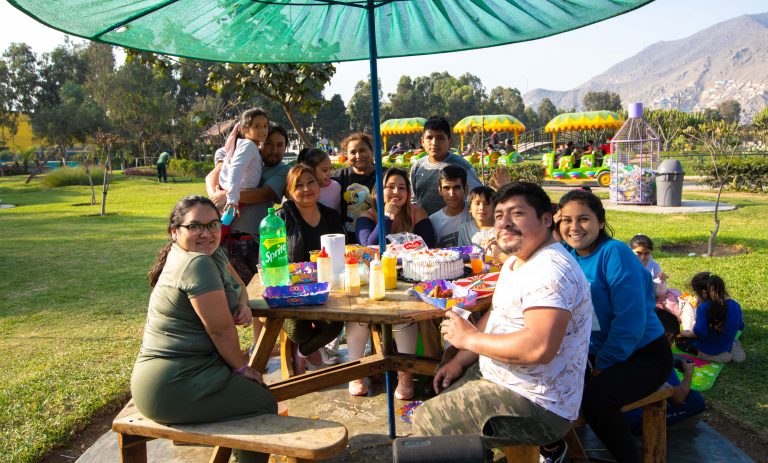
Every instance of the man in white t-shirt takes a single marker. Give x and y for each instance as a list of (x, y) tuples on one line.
[(518, 377), (452, 185)]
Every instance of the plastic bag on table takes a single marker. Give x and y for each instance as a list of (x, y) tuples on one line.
[(401, 243)]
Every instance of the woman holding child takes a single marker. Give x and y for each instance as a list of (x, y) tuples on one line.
[(630, 356), (190, 368)]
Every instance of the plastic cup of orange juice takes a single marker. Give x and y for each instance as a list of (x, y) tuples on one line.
[(313, 255), (476, 262)]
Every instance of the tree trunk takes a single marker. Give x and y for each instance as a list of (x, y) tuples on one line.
[(90, 181), (105, 184), (713, 233), (296, 127)]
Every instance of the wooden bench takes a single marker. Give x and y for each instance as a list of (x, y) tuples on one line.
[(654, 409), (299, 439)]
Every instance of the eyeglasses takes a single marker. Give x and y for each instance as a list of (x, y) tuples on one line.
[(212, 227)]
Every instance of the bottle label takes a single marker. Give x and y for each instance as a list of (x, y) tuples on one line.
[(273, 249)]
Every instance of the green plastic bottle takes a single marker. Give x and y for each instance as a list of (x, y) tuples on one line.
[(273, 251)]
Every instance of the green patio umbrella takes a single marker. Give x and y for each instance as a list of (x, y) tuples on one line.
[(282, 31)]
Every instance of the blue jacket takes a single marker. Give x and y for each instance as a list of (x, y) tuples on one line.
[(622, 295), (709, 341)]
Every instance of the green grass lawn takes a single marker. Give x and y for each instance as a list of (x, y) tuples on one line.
[(74, 294)]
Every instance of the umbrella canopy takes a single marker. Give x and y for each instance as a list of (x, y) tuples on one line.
[(497, 122), (401, 127), (270, 31), (585, 121)]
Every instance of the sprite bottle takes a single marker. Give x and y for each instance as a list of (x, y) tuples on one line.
[(273, 251)]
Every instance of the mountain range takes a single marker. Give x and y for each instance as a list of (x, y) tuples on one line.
[(727, 61)]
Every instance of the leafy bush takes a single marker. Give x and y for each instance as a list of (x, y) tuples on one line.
[(12, 169), (141, 171), (66, 176), (189, 169), (750, 174)]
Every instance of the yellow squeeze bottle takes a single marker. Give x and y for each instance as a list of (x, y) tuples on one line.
[(389, 262)]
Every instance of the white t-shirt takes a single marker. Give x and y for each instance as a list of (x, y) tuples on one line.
[(447, 228), (241, 170), (470, 233), (551, 278)]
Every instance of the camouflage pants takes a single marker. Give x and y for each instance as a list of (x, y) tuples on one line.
[(474, 405)]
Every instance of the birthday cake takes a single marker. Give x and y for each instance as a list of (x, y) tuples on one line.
[(433, 264)]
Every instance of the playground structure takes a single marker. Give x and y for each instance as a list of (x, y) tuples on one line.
[(490, 123), (589, 166), (634, 158)]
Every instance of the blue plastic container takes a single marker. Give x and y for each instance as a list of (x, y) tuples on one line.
[(303, 294)]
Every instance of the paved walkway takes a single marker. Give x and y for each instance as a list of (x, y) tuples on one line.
[(366, 421)]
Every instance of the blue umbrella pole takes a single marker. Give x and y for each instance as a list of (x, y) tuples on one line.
[(373, 53)]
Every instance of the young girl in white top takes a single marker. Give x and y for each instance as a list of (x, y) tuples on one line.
[(320, 162), (242, 162)]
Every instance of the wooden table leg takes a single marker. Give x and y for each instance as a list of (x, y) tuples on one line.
[(220, 455), (133, 449), (655, 432), (286, 356), (266, 342)]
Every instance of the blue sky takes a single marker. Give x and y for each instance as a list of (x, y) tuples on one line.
[(557, 63)]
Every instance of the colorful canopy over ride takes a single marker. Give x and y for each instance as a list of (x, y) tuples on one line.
[(585, 121), (488, 123), (401, 127)]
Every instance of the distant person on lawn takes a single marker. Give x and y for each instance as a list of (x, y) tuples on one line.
[(162, 167), (190, 368)]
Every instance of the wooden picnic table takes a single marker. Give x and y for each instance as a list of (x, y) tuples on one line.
[(396, 308)]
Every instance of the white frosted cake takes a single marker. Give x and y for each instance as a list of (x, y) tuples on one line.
[(433, 264)]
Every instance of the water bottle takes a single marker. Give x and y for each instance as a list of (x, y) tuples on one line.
[(273, 251), (228, 217)]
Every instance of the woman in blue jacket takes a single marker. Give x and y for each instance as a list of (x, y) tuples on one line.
[(629, 355)]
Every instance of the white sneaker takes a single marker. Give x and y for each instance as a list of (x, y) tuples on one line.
[(737, 352), (328, 356)]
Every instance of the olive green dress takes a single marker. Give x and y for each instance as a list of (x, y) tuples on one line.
[(179, 376)]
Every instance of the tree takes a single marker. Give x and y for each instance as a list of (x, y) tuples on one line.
[(100, 64), (504, 100), (293, 86), (64, 64), (547, 111), (531, 120), (602, 101), (404, 102), (359, 109), (22, 77), (8, 117), (142, 104), (668, 124), (730, 110), (332, 121), (719, 138), (74, 118), (760, 127)]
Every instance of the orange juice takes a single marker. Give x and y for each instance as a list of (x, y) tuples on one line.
[(477, 265)]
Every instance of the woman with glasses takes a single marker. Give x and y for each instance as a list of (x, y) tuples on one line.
[(306, 220), (190, 368)]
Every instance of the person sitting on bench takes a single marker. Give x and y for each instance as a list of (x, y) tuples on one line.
[(518, 376), (190, 368)]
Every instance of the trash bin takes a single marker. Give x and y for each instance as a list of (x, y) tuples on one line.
[(669, 183)]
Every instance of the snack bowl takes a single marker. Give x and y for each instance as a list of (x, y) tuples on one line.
[(302, 294), (462, 297), (303, 272)]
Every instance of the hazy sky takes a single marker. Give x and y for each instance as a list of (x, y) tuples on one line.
[(557, 63)]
